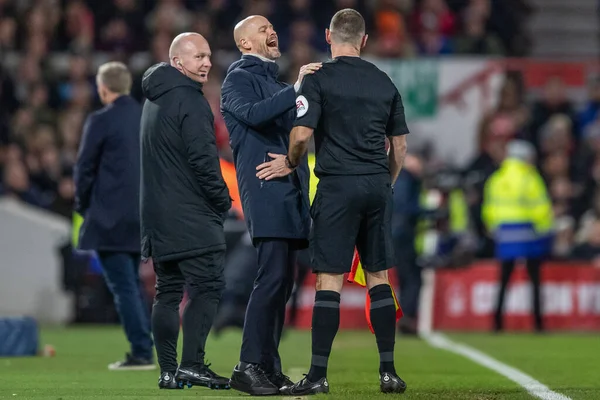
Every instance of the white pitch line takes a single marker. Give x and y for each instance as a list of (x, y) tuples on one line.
[(534, 387), (440, 341)]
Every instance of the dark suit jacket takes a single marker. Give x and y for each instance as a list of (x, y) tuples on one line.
[(259, 111), (107, 178)]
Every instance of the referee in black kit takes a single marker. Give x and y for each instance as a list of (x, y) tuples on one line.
[(351, 106)]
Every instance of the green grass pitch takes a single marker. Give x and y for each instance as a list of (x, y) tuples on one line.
[(569, 364)]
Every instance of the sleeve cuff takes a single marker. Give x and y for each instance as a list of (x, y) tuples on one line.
[(305, 123), (296, 87)]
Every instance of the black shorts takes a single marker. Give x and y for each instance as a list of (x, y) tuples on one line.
[(348, 212)]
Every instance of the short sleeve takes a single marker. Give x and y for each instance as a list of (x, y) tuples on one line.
[(308, 103), (397, 123)]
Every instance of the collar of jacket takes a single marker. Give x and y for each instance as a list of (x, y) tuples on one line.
[(122, 99), (515, 163), (265, 59), (268, 67)]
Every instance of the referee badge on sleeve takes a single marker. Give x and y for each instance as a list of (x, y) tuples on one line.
[(301, 106)]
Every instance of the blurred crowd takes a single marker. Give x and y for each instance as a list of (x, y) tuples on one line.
[(50, 49), (567, 139)]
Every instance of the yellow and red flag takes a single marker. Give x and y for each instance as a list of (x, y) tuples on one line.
[(357, 275)]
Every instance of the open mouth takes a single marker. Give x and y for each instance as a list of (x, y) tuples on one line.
[(272, 42)]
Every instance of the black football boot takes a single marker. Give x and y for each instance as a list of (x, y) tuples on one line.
[(391, 383), (201, 376), (167, 381), (306, 387)]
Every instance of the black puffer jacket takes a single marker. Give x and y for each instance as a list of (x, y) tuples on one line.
[(183, 194)]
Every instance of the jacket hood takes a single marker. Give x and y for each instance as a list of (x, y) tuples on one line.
[(255, 65), (161, 78)]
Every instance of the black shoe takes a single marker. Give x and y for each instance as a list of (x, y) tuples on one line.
[(253, 380), (202, 376), (132, 363), (306, 387), (391, 383), (167, 381), (280, 380)]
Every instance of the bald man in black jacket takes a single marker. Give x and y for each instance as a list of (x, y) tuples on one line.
[(184, 203)]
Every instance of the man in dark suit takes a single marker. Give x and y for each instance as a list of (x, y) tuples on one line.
[(259, 111), (107, 181), (184, 201), (405, 219)]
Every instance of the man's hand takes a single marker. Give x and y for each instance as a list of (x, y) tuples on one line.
[(275, 168), (306, 70)]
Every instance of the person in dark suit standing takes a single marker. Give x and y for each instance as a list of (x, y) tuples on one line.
[(184, 202), (107, 182), (258, 110)]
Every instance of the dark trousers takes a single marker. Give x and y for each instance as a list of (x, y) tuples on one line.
[(409, 274), (121, 272), (203, 276), (240, 271), (265, 314), (533, 269)]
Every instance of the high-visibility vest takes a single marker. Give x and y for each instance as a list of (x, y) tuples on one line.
[(516, 194), (426, 234), (517, 211)]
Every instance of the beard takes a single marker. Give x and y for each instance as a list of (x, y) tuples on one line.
[(274, 52), (270, 52)]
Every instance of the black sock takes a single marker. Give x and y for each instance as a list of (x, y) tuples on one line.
[(383, 319), (198, 317), (325, 324)]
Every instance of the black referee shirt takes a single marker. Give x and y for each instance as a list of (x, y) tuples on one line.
[(352, 105)]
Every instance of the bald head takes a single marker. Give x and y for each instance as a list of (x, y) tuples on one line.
[(190, 54), (185, 42), (255, 35), (242, 28)]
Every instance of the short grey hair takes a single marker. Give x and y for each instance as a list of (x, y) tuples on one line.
[(115, 76), (347, 26)]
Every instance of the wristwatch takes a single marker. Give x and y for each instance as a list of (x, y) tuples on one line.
[(289, 164)]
